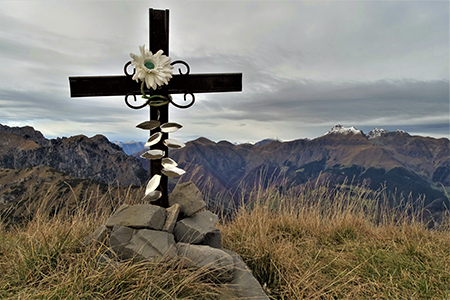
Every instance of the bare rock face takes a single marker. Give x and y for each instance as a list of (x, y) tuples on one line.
[(78, 156), (26, 132), (195, 242)]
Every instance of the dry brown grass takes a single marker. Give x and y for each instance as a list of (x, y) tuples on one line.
[(315, 243), (341, 244), (47, 259)]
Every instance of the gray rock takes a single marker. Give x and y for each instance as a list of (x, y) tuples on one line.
[(193, 229), (103, 259), (243, 284), (98, 237), (218, 262), (150, 245), (172, 216), (213, 239), (122, 207), (138, 216), (120, 236), (189, 197), (141, 244), (108, 264)]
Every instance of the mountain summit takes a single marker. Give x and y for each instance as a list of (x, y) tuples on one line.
[(344, 130), (340, 129)]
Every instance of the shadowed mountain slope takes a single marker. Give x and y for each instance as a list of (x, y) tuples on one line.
[(396, 161)]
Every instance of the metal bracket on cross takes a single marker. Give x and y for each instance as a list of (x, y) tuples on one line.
[(182, 83)]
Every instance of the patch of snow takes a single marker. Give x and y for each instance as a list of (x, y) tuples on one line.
[(376, 133), (344, 130)]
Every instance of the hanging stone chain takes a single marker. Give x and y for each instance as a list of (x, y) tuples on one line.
[(158, 100)]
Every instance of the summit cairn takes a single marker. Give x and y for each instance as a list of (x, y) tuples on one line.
[(146, 232)]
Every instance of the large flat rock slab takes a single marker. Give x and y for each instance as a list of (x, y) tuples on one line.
[(139, 216), (151, 245), (217, 261), (142, 244), (243, 284)]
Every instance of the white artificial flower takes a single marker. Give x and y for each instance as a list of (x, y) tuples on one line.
[(154, 70)]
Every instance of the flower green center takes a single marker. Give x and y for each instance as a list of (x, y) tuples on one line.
[(149, 65)]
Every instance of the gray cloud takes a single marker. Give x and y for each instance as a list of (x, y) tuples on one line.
[(328, 100), (307, 65)]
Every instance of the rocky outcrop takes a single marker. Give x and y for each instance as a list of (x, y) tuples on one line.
[(143, 232), (27, 133), (77, 156)]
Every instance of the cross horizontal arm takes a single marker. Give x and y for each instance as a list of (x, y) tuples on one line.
[(94, 86)]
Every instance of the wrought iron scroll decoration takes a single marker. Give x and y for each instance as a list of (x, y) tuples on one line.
[(125, 70), (188, 70)]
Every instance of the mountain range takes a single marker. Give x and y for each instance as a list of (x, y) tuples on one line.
[(78, 156), (394, 161)]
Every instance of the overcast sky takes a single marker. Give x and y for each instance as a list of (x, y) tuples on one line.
[(307, 66)]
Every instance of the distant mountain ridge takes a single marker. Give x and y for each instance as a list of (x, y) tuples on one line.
[(394, 160), (78, 156), (130, 147)]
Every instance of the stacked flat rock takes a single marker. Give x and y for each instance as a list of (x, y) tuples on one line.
[(185, 231)]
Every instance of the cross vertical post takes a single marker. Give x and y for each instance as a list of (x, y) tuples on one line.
[(159, 40)]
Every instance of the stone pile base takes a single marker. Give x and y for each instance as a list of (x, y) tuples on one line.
[(185, 231)]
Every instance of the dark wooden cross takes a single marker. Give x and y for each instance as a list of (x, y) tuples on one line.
[(183, 83)]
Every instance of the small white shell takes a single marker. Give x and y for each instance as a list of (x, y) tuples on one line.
[(172, 143), (152, 184), (170, 127), (172, 171), (153, 154), (154, 139), (168, 162), (152, 196), (149, 125)]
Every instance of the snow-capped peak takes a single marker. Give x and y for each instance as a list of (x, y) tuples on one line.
[(379, 132), (376, 133), (344, 130)]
